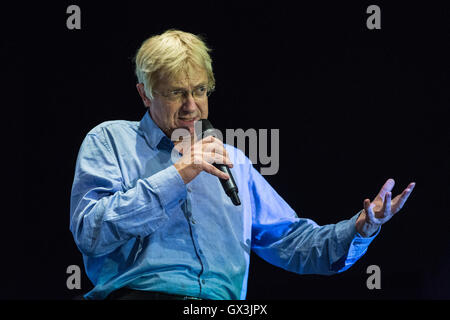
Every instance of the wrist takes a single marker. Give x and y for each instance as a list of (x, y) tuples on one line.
[(364, 227)]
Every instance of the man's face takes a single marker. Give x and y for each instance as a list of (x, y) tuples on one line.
[(170, 113)]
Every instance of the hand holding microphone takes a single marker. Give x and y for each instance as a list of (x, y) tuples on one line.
[(209, 155)]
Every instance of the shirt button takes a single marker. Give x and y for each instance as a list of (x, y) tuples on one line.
[(192, 221), (203, 281), (200, 251), (189, 190)]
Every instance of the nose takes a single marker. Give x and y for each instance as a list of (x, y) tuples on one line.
[(189, 104)]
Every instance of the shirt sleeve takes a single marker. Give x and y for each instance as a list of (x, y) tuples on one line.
[(103, 215), (300, 245)]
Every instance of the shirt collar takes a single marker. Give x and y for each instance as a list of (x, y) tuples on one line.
[(154, 136)]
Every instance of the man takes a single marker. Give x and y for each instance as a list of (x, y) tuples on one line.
[(154, 226)]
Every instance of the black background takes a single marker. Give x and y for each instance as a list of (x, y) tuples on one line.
[(354, 107)]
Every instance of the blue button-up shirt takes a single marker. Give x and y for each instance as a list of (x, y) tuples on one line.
[(139, 225)]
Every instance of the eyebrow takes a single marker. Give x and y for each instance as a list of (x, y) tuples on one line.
[(181, 88)]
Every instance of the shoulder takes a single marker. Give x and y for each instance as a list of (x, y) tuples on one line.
[(113, 126), (112, 133), (236, 155)]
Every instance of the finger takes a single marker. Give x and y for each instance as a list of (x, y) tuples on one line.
[(400, 200), (409, 189), (214, 145), (205, 141), (369, 211), (214, 171), (217, 158), (221, 159), (210, 139), (387, 206), (218, 149), (223, 155), (387, 187)]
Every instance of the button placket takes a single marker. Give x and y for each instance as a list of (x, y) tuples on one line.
[(193, 225)]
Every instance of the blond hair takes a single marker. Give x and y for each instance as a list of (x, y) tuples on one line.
[(170, 54)]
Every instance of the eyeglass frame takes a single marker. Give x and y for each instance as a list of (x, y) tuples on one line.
[(185, 93)]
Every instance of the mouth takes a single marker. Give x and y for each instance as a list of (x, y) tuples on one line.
[(187, 123), (188, 120)]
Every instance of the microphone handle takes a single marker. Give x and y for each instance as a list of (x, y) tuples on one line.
[(229, 185)]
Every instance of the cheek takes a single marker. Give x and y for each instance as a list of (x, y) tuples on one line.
[(204, 110), (165, 115), (172, 115)]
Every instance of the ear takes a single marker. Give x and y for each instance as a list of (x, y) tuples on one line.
[(141, 90)]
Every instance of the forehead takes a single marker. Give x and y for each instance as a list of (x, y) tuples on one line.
[(190, 78)]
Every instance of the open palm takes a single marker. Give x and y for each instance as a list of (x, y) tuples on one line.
[(382, 208)]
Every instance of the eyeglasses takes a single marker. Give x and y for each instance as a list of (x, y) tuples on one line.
[(199, 93)]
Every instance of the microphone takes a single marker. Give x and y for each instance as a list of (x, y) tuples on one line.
[(204, 128)]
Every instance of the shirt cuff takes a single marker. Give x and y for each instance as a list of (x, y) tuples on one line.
[(169, 187), (348, 234), (353, 243), (359, 244)]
